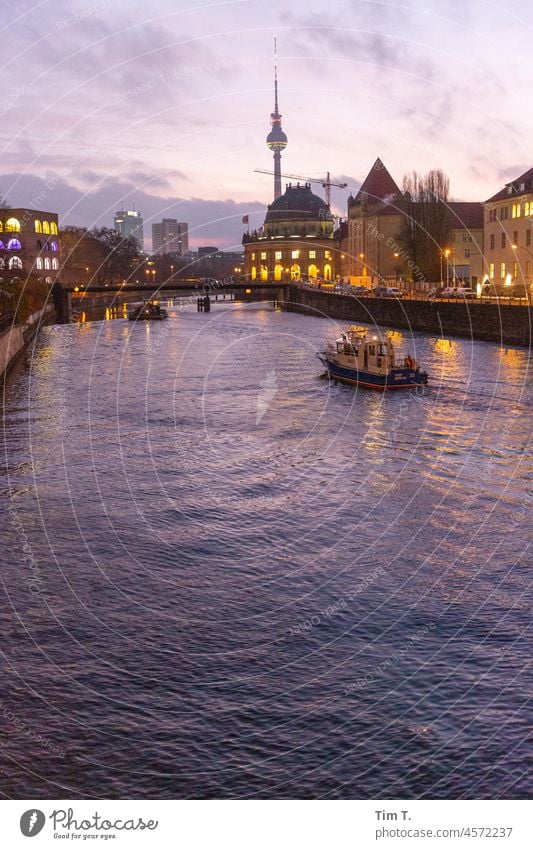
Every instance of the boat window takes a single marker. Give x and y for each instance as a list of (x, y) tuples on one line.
[(382, 350), (372, 350)]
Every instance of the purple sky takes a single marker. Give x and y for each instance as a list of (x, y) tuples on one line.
[(167, 103)]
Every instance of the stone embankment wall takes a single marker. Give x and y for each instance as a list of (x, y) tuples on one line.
[(507, 324), (14, 339)]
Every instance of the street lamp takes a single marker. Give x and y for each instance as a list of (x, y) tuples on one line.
[(447, 253)]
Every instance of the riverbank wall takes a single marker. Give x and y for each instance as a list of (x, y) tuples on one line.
[(489, 322), (17, 337)]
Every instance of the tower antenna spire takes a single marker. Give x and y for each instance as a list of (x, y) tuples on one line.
[(276, 139)]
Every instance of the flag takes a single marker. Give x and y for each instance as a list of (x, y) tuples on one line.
[(246, 219)]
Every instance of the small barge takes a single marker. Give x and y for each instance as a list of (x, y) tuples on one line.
[(148, 311), (363, 359)]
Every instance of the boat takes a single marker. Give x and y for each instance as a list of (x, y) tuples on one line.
[(360, 358), (148, 311)]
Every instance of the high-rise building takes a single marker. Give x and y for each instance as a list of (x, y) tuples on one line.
[(170, 237), (130, 223), (276, 139)]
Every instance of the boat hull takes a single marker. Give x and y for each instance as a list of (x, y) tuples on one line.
[(398, 378)]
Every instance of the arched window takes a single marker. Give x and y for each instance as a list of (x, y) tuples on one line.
[(39, 244), (15, 262), (46, 227), (327, 272), (295, 272), (12, 225), (278, 272), (1, 226), (46, 262), (264, 273), (46, 246), (14, 245), (53, 246), (55, 263), (312, 272), (1, 263), (38, 262), (1, 245), (48, 280), (38, 226), (53, 228), (254, 273)]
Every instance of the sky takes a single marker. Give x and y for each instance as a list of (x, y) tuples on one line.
[(167, 104)]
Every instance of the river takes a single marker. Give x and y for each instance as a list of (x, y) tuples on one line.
[(225, 576)]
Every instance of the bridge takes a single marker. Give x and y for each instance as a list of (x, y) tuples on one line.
[(69, 300)]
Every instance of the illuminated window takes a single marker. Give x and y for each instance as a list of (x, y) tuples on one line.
[(526, 208), (1, 226), (46, 262), (513, 212), (295, 272), (46, 227), (515, 269), (55, 263), (278, 272), (264, 273), (38, 226), (312, 271), (502, 270), (278, 255), (253, 257), (53, 246), (48, 280), (295, 254), (12, 225), (15, 262), (14, 245), (1, 246), (38, 262), (327, 254), (327, 272), (53, 228), (491, 271), (254, 273), (263, 255), (312, 254), (528, 268)]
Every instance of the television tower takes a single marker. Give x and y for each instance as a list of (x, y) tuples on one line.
[(276, 139)]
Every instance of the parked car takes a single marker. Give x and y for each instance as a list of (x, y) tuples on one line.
[(360, 291), (458, 292), (388, 292)]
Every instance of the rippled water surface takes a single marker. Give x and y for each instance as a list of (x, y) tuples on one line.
[(224, 576)]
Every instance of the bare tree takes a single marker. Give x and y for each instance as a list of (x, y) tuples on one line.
[(426, 225)]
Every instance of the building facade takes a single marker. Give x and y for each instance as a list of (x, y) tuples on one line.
[(29, 244), (298, 240), (374, 251), (508, 240), (375, 218), (170, 237), (130, 223)]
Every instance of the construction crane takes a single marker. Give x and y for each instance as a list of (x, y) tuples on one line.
[(325, 183)]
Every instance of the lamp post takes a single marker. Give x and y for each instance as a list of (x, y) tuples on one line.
[(447, 253)]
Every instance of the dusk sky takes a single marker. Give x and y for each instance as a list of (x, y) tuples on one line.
[(167, 104)]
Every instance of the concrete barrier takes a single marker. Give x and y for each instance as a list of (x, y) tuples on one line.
[(504, 324)]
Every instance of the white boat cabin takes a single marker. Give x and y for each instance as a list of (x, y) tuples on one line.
[(356, 349)]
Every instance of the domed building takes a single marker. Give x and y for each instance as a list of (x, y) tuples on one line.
[(297, 242)]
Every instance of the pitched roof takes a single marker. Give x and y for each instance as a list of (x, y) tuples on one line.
[(378, 184), (467, 215), (512, 189)]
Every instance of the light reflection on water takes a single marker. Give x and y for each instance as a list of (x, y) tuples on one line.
[(256, 582)]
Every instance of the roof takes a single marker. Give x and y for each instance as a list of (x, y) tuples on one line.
[(378, 184), (467, 215), (298, 202), (513, 189)]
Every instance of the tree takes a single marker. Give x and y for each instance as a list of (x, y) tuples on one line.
[(427, 223), (121, 255)]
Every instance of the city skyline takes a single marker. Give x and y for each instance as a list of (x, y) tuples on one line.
[(98, 101)]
